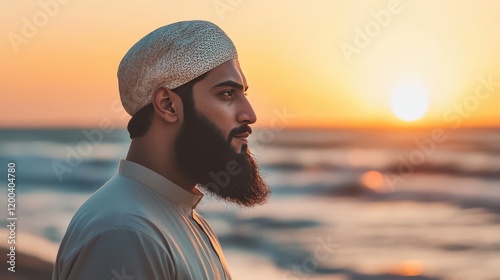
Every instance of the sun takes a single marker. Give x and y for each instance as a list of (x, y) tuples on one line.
[(409, 102)]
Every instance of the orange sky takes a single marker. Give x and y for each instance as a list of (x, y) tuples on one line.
[(321, 63)]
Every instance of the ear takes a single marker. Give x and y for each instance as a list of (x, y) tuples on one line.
[(166, 104)]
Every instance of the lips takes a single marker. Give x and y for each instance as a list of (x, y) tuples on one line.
[(242, 136), (241, 133)]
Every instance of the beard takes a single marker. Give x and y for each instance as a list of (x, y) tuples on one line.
[(206, 157)]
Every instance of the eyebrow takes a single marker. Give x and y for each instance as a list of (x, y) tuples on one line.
[(231, 84)]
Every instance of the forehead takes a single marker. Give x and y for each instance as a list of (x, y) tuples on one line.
[(227, 71)]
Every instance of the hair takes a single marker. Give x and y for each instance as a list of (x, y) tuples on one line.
[(141, 121)]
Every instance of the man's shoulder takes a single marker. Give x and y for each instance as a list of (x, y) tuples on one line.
[(112, 201), (101, 250), (121, 203)]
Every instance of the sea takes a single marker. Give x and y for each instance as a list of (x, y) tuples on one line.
[(349, 204)]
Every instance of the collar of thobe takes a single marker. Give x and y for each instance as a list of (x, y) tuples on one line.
[(163, 186)]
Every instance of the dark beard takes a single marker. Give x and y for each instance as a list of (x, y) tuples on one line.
[(205, 156)]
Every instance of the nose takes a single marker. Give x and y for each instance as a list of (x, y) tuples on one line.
[(246, 115)]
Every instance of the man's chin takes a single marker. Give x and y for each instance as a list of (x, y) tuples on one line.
[(240, 149), (243, 149)]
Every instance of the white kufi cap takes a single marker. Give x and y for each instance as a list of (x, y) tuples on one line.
[(169, 57)]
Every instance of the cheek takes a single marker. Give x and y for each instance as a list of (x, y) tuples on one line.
[(222, 119), (218, 112)]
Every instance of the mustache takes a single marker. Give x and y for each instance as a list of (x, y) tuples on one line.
[(238, 130)]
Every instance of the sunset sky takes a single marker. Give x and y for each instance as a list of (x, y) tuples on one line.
[(321, 63)]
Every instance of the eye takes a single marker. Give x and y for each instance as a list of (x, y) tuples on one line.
[(227, 93)]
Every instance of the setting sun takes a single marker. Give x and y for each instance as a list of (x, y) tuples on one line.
[(409, 102)]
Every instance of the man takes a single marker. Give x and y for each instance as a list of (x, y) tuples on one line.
[(183, 86)]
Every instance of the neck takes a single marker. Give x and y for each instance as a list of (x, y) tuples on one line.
[(158, 155)]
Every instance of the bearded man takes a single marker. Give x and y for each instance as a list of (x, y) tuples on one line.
[(184, 88)]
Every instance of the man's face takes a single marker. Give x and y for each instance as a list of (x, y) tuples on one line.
[(211, 147), (221, 97)]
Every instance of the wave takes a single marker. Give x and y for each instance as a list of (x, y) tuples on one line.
[(85, 175)]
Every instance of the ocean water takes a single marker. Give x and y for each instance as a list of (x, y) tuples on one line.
[(346, 204)]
